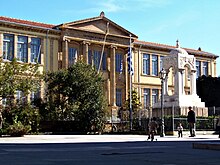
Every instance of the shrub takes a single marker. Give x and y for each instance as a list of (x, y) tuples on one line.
[(18, 129)]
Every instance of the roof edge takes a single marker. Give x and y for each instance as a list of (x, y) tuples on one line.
[(169, 47)]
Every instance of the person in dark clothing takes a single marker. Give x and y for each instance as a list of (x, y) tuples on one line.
[(218, 126), (191, 119), (152, 128)]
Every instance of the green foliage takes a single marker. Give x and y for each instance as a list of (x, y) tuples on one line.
[(16, 76), (136, 104), (76, 94), (18, 129), (208, 89), (28, 115)]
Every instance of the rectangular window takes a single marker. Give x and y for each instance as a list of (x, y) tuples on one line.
[(118, 61), (35, 50), (161, 62), (72, 56), (34, 95), (95, 57), (205, 68), (146, 64), (22, 49), (20, 98), (155, 95), (104, 61), (4, 102), (119, 97), (146, 94), (155, 65), (8, 47), (198, 69), (90, 57)]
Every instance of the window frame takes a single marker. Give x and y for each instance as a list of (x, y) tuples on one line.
[(8, 47), (118, 61), (205, 68), (94, 57), (35, 55), (23, 56), (118, 97), (155, 96), (161, 62), (72, 55), (146, 63), (154, 65), (198, 68), (146, 97)]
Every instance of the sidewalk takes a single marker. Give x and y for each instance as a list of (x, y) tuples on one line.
[(101, 138)]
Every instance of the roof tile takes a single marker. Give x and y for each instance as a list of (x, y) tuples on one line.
[(172, 47), (31, 23)]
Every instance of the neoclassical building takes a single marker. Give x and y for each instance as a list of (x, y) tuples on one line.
[(104, 44)]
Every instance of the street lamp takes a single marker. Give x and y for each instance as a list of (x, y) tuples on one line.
[(162, 75)]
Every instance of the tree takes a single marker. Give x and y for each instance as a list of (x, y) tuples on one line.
[(135, 102), (76, 94), (208, 89), (15, 77)]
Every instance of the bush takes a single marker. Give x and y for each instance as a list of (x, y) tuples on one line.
[(27, 114), (18, 129)]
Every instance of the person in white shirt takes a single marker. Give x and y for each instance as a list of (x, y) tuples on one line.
[(180, 130)]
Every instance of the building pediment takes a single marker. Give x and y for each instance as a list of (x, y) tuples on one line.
[(100, 25)]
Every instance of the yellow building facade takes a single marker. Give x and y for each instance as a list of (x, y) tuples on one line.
[(105, 45)]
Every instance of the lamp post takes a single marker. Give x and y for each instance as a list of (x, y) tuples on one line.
[(162, 75)]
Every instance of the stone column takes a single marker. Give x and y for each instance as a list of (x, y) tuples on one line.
[(86, 51), (112, 76), (45, 50), (176, 82), (109, 91), (51, 62), (65, 53), (15, 46), (182, 84), (178, 85), (108, 80), (29, 50), (193, 83), (1, 44), (166, 85)]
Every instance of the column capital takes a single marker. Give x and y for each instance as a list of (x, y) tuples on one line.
[(65, 39), (135, 50), (113, 47), (86, 42)]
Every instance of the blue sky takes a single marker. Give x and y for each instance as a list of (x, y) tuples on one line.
[(195, 23)]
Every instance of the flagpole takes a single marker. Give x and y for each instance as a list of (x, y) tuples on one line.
[(130, 71), (103, 46)]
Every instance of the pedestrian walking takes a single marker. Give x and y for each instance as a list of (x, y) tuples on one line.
[(180, 130), (191, 119), (152, 128)]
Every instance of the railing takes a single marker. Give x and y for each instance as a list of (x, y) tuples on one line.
[(201, 123)]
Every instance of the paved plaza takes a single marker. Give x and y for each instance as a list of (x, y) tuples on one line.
[(108, 150), (99, 138)]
